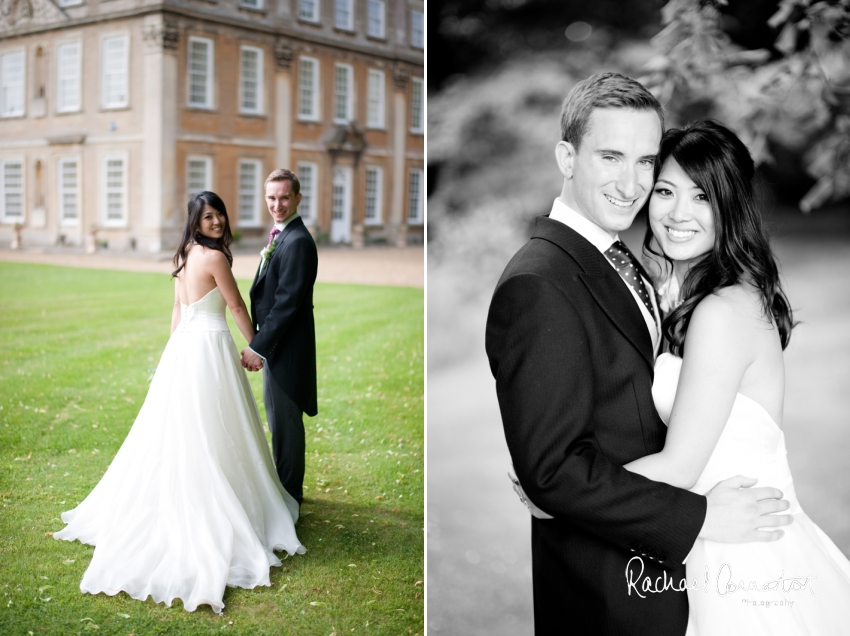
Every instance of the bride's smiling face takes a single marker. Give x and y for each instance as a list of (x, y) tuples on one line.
[(680, 215), (212, 223)]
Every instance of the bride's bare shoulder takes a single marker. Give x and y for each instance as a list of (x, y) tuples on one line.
[(204, 258), (733, 311), (744, 299), (209, 254)]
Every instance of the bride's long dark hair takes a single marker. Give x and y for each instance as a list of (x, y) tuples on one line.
[(720, 164), (192, 230)]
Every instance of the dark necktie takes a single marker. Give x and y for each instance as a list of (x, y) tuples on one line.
[(624, 263)]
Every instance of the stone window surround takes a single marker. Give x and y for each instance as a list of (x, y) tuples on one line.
[(23, 84), (315, 115), (23, 189), (377, 218), (308, 214), (418, 218), (127, 53), (60, 45), (60, 189), (209, 102), (257, 220), (260, 109), (417, 128), (379, 122), (105, 190)]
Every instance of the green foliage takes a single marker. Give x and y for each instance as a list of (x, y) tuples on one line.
[(76, 347), (796, 95)]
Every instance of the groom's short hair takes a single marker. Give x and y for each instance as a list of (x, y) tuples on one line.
[(603, 90), (282, 174)]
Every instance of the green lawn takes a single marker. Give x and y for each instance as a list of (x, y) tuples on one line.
[(76, 349)]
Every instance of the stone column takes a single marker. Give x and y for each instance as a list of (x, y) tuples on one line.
[(160, 119), (398, 220), (283, 55)]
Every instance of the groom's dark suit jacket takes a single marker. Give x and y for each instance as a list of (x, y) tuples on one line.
[(573, 364), (282, 311)]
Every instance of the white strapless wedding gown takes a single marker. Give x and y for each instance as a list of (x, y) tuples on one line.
[(191, 502), (801, 582)]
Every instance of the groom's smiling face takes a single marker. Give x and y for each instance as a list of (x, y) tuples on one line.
[(281, 201), (609, 177)]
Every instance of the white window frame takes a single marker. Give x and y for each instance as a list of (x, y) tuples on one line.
[(376, 19), (417, 35), (69, 3), (62, 190), (61, 104), (309, 191), (258, 109), (416, 209), (252, 4), (20, 87), (104, 74), (377, 218), (348, 7), (376, 99), (210, 74), (349, 96), (4, 218), (208, 174), (106, 191), (314, 115), (255, 190), (312, 17), (341, 202), (417, 127)]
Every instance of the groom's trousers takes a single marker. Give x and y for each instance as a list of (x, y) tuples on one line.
[(287, 428)]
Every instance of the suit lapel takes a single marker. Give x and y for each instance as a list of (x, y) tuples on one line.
[(279, 247), (620, 306), (255, 281), (263, 270), (602, 281)]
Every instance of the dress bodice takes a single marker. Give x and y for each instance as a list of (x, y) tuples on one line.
[(206, 314), (751, 443)]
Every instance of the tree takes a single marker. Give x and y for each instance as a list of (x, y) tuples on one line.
[(795, 93)]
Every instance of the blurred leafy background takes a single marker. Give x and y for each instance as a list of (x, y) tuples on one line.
[(777, 72)]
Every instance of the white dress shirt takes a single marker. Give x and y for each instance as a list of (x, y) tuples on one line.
[(602, 240), (282, 226)]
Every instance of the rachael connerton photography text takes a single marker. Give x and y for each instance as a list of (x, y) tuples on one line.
[(724, 584)]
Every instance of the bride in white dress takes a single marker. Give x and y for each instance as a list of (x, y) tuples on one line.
[(721, 391), (191, 503)]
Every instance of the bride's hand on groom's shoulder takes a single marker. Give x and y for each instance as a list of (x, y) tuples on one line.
[(739, 513)]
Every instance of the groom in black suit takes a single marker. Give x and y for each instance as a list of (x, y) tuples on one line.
[(285, 343), (571, 336)]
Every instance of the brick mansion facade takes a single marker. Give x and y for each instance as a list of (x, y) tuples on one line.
[(114, 112)]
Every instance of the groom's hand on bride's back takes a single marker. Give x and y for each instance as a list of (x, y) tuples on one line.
[(736, 511)]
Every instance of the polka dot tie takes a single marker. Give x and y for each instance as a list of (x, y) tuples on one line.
[(624, 263)]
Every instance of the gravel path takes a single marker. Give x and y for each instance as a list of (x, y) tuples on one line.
[(396, 267)]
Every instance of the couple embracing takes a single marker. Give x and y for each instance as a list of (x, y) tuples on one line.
[(639, 422), (193, 501)]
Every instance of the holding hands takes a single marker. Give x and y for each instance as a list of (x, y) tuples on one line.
[(250, 360)]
